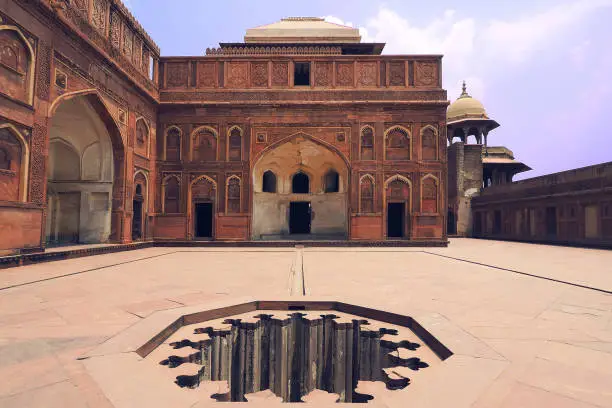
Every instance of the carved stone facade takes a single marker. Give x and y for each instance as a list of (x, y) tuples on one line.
[(98, 145)]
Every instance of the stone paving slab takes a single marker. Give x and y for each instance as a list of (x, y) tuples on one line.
[(546, 343)]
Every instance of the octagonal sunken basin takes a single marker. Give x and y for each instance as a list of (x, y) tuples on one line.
[(268, 352)]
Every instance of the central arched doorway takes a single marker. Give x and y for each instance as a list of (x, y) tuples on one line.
[(85, 161), (300, 191)]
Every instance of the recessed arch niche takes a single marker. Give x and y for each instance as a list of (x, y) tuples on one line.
[(84, 166), (304, 156)]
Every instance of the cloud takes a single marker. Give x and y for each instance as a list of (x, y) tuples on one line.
[(473, 50)]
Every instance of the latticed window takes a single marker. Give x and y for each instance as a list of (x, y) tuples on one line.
[(235, 144), (172, 196), (430, 195), (367, 143), (429, 145), (233, 195), (398, 144), (173, 145), (204, 146), (366, 204)]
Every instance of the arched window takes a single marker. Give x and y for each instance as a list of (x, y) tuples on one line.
[(173, 144), (233, 195), (300, 184), (5, 160), (204, 145), (429, 197), (366, 194), (172, 196), (235, 144), (332, 182), (269, 182), (367, 143), (397, 144), (429, 143)]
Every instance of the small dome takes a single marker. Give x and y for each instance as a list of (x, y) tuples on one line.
[(465, 107)]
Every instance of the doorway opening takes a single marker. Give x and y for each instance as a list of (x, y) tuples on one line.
[(395, 220), (299, 217), (551, 221), (203, 220), (497, 222), (451, 223), (137, 220)]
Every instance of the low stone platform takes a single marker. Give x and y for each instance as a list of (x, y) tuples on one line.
[(77, 251)]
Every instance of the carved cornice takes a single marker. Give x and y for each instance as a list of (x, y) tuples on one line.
[(278, 50), (269, 97)]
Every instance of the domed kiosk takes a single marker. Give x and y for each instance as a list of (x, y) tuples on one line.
[(468, 117)]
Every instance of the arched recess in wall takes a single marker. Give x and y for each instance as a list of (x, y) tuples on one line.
[(276, 213), (430, 194), (398, 143), (233, 189), (268, 183), (429, 143), (367, 187), (202, 201), (172, 144), (171, 194), (398, 207), (331, 181), (204, 145), (366, 141), (17, 64), (143, 137), (85, 171), (234, 143), (140, 205), (15, 166)]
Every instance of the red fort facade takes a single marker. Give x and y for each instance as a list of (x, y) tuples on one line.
[(301, 132)]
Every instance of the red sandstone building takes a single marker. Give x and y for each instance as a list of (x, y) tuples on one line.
[(300, 132)]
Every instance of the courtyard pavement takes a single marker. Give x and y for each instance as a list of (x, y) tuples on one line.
[(544, 311)]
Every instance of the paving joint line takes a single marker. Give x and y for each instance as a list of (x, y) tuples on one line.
[(85, 271), (578, 285)]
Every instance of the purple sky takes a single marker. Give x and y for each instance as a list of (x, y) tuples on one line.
[(543, 69)]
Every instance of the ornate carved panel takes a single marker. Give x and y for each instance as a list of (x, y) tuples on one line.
[(176, 74), (397, 144), (115, 29), (259, 74), (280, 73), (10, 165), (204, 146), (172, 195), (367, 73), (344, 74), (82, 6), (128, 39), (426, 74), (367, 143), (429, 198), (142, 137), (137, 51), (207, 75), (38, 177), (429, 144), (233, 195), (203, 189), (323, 74), (98, 15), (145, 60), (237, 74), (235, 144), (15, 60), (397, 74), (366, 195)]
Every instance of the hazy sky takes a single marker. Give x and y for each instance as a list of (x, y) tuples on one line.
[(542, 68)]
